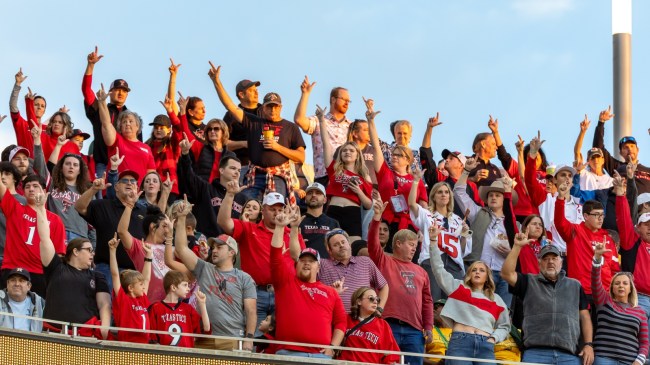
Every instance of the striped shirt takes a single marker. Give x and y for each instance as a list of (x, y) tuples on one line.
[(622, 332), (360, 271)]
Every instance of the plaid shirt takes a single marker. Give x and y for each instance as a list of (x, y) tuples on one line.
[(338, 134)]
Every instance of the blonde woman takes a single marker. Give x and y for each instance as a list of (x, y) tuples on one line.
[(479, 316), (455, 238), (349, 186)]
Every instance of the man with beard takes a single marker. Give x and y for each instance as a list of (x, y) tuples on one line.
[(300, 297), (105, 214), (348, 273), (550, 300), (316, 224), (337, 124), (22, 247)]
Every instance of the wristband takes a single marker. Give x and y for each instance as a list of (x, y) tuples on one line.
[(590, 344), (380, 309), (146, 259), (598, 263), (250, 335)]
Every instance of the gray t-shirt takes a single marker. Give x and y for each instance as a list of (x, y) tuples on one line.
[(62, 204), (225, 292), (3, 226)]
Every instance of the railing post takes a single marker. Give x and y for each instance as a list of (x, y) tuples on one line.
[(74, 331), (401, 359)]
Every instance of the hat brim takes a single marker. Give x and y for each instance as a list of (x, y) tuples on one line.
[(483, 192), (271, 102), (308, 254), (129, 172), (84, 135)]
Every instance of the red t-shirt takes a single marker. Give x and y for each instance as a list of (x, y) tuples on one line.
[(338, 185), (254, 241), (374, 335), (297, 302), (23, 244), (130, 312), (580, 243), (138, 156), (386, 179), (175, 319)]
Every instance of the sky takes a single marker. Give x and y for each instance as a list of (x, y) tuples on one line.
[(533, 64)]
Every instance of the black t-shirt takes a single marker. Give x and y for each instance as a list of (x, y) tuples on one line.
[(313, 230), (71, 293), (286, 134), (493, 172), (104, 215), (239, 133), (521, 286)]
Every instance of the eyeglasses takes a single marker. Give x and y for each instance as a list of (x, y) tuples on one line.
[(345, 100), (597, 215), (128, 181), (89, 249), (396, 155), (374, 299), (213, 129)]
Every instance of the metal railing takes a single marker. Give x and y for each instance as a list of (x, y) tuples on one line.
[(71, 330)]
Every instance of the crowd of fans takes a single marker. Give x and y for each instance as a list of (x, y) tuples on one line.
[(210, 226)]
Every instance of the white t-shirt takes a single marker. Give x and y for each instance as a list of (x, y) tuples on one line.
[(591, 181)]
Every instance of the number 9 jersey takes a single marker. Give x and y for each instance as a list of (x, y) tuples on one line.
[(177, 319)]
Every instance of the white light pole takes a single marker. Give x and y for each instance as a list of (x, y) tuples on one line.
[(622, 62)]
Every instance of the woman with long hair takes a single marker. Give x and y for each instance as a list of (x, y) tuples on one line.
[(533, 228), (69, 182), (349, 185), (394, 184), (622, 332), (158, 232), (155, 191), (366, 330), (252, 211), (479, 316), (455, 240)]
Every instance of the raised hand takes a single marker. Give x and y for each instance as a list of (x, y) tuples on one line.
[(293, 212), (64, 109), (584, 125), (493, 124), (184, 207), (61, 140), (94, 57), (578, 164), (132, 197), (282, 219), (200, 296), (214, 72), (339, 286), (101, 184), (320, 112), (148, 251), (305, 86), (630, 170), (618, 184), (116, 159), (434, 232), (182, 103), (30, 95), (536, 144), (36, 132), (508, 183), (370, 109), (470, 163), (101, 94), (2, 117), (520, 144), (167, 104), (114, 242), (173, 69), (417, 172), (563, 189), (434, 121), (20, 77), (41, 200), (606, 115), (600, 249), (167, 184), (185, 144), (521, 239), (378, 207), (232, 187)]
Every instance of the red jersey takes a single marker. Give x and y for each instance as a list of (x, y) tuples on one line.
[(138, 156), (176, 320), (255, 249), (580, 243), (386, 180), (296, 301), (130, 312), (23, 244), (374, 335), (338, 185)]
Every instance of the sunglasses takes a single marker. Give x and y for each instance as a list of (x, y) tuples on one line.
[(373, 299), (128, 181), (213, 129), (625, 140)]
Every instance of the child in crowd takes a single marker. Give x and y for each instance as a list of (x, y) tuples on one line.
[(130, 300), (175, 316), (267, 327)]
